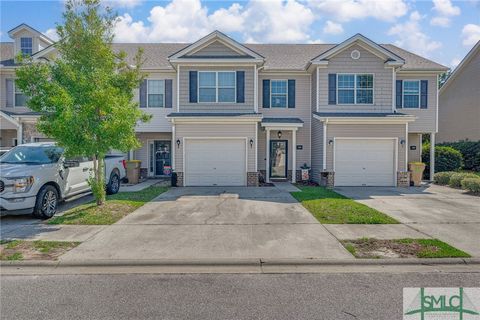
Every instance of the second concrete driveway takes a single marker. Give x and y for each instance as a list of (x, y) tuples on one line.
[(216, 223)]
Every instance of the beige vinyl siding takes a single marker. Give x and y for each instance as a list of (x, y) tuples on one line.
[(314, 90), (37, 43), (370, 131), (6, 137), (3, 93), (216, 48), (159, 122), (191, 130), (426, 118), (186, 106), (317, 149), (142, 152), (459, 105), (415, 139), (368, 63), (302, 111)]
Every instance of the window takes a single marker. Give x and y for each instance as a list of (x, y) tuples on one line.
[(26, 45), (279, 93), (355, 88), (155, 93), (217, 86), (20, 98), (411, 94)]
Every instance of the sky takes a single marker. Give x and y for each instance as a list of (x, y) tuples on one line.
[(441, 30)]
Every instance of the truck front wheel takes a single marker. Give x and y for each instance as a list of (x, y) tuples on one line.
[(113, 184), (47, 202)]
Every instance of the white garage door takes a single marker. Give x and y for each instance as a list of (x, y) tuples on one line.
[(364, 162), (213, 162)]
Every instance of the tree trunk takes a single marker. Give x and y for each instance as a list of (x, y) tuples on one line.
[(99, 179)]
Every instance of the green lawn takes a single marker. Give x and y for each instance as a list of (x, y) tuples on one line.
[(34, 250), (333, 208), (116, 207)]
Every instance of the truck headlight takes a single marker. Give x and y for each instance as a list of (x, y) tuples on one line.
[(22, 184)]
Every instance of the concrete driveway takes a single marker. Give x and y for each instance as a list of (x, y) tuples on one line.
[(215, 223), (440, 212)]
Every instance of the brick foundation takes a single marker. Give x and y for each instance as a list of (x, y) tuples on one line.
[(180, 179), (143, 173), (327, 179), (252, 179), (403, 179)]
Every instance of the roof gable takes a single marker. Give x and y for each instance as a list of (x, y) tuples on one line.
[(364, 42), (474, 52), (215, 45), (23, 27)]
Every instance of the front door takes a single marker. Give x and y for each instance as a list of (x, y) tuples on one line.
[(161, 158), (278, 159)]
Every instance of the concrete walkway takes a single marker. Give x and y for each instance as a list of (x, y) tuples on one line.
[(214, 223), (144, 184), (435, 211)]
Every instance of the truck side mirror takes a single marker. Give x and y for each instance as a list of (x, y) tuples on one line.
[(71, 164)]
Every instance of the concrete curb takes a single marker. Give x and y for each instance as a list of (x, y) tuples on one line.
[(242, 262)]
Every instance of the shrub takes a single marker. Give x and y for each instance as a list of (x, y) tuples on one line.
[(446, 158), (443, 178), (470, 151), (471, 184), (456, 179)]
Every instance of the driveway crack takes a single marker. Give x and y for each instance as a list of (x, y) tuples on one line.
[(217, 213)]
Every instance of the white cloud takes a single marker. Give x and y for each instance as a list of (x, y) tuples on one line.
[(455, 62), (411, 37), (52, 34), (470, 34), (123, 3), (346, 10), (188, 20), (445, 10), (332, 28)]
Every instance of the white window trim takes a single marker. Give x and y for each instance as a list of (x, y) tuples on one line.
[(31, 48), (419, 93), (156, 79), (355, 89), (217, 86), (286, 94), (15, 96)]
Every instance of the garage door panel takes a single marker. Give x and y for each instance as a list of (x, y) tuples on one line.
[(215, 162), (365, 162)]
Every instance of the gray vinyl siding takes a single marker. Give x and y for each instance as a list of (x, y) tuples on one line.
[(367, 130), (215, 49), (302, 111), (368, 63), (142, 152), (415, 139), (3, 93), (314, 90), (186, 106), (317, 149), (159, 122), (216, 131), (426, 118)]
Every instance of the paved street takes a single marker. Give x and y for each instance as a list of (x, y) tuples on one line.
[(217, 296)]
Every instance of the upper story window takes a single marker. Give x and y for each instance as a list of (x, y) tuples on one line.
[(155, 93), (411, 93), (355, 88), (279, 93), (217, 86), (26, 46), (20, 98)]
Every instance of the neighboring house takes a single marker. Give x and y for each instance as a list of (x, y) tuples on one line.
[(225, 113), (459, 101)]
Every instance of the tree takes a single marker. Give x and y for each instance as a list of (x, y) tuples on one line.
[(442, 78), (85, 94)]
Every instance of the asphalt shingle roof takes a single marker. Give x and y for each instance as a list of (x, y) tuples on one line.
[(282, 120)]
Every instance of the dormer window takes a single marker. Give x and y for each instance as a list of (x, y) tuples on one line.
[(26, 46)]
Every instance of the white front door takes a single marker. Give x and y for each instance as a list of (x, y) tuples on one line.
[(365, 162), (215, 162)]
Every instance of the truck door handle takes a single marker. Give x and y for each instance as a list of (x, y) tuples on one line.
[(85, 169)]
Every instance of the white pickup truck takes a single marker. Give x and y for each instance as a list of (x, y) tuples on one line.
[(34, 177)]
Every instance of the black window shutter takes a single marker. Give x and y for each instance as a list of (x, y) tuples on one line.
[(398, 93), (266, 93), (332, 88), (168, 93), (291, 93), (143, 94), (240, 86), (423, 94), (193, 86)]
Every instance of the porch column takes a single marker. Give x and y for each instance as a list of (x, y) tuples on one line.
[(294, 155), (267, 155), (432, 155), (20, 134)]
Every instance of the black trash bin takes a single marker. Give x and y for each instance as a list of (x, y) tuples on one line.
[(174, 179)]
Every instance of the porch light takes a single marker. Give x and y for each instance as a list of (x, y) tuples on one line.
[(402, 142), (330, 142), (251, 143), (279, 134), (178, 143)]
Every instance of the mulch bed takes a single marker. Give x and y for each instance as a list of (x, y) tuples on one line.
[(373, 248)]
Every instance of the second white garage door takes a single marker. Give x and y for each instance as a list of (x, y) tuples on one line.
[(215, 162), (365, 162)]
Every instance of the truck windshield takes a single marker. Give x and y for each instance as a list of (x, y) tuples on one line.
[(32, 155)]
